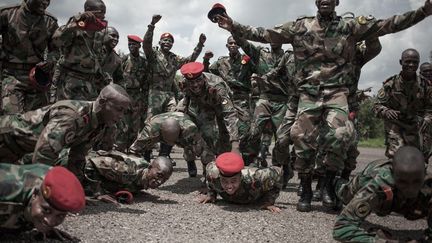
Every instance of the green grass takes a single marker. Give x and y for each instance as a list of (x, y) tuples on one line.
[(372, 143)]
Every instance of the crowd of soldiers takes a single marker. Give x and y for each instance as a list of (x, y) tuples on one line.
[(79, 122)]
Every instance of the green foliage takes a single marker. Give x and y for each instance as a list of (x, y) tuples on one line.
[(370, 126)]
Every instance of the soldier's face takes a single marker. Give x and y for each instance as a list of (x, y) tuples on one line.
[(38, 6), (326, 7), (426, 71), (45, 217), (134, 48), (98, 9), (230, 184), (410, 63), (113, 110), (111, 38), (409, 183), (195, 85), (232, 46), (156, 177), (166, 44)]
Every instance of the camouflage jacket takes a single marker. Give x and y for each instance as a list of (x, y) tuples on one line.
[(261, 185), (151, 133), (112, 69), (413, 101), (215, 101), (163, 67), (135, 73), (26, 37), (18, 183), (373, 191), (82, 51), (235, 71), (324, 49), (109, 172), (284, 71)]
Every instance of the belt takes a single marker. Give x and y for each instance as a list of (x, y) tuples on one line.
[(18, 66)]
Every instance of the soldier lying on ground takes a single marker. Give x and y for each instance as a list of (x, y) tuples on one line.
[(38, 197), (228, 178), (383, 187)]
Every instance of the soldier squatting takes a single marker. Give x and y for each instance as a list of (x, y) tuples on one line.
[(79, 122)]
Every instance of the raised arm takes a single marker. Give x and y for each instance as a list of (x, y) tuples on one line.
[(148, 37), (196, 52)]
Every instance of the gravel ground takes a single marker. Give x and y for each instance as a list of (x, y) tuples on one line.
[(171, 214)]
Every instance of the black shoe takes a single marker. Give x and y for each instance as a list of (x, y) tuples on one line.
[(192, 169), (287, 174), (317, 194), (304, 204), (300, 190), (329, 194)]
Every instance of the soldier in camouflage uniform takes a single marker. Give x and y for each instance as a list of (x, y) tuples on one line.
[(38, 196), (404, 103), (27, 32), (82, 47), (228, 178), (115, 174), (136, 84), (236, 70), (207, 101), (172, 128), (324, 47), (383, 187), (426, 131), (77, 125)]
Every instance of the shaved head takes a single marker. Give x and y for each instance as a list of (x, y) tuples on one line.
[(114, 92), (410, 52), (111, 104), (170, 131), (164, 164), (409, 171)]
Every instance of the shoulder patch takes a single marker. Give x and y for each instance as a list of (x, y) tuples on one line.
[(362, 20), (381, 93), (69, 137), (388, 192), (362, 209)]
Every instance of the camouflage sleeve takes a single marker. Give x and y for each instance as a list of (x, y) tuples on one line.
[(148, 42), (214, 68), (369, 27), (252, 51), (279, 34), (380, 105), (348, 224), (64, 36), (228, 113), (373, 48), (145, 140), (53, 50), (212, 175), (270, 181), (58, 133), (196, 52)]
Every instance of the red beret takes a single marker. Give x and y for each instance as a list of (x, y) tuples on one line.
[(167, 35), (217, 9), (62, 190), (229, 163), (134, 38), (192, 70)]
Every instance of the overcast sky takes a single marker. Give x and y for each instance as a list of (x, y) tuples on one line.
[(187, 19)]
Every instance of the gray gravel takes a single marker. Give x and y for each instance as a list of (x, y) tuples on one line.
[(171, 214)]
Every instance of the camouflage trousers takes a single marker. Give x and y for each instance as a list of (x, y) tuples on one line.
[(328, 110), (398, 135), (281, 152), (75, 86), (267, 117), (160, 102), (426, 139), (132, 122), (242, 105), (18, 95)]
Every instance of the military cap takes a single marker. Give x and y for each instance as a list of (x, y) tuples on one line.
[(39, 78), (217, 9), (167, 35), (229, 164), (62, 190), (134, 38), (192, 70)]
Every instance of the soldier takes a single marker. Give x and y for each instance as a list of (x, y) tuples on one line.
[(163, 65), (172, 128), (114, 176), (384, 186), (323, 48), (66, 124), (403, 103), (425, 129), (236, 70), (207, 100), (136, 84), (38, 196), (426, 72), (81, 44), (27, 33), (228, 178)]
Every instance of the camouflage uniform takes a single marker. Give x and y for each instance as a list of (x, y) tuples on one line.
[(413, 102), (80, 65), (27, 41), (109, 172), (18, 183), (112, 70), (135, 82), (210, 108), (261, 185), (324, 51), (190, 138), (373, 190), (163, 69)]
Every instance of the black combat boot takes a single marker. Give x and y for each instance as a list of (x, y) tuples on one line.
[(287, 174), (317, 194), (165, 150), (304, 204), (192, 169), (329, 193), (262, 157)]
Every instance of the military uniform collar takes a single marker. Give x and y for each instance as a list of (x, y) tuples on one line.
[(400, 83), (332, 17)]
